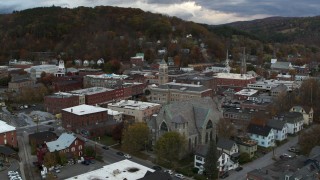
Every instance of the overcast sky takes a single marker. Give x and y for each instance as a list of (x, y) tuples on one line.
[(201, 11)]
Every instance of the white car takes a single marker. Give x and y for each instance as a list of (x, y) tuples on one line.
[(127, 156), (180, 176), (168, 171)]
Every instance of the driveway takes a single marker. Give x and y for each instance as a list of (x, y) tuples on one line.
[(263, 161)]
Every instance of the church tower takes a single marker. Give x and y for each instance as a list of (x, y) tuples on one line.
[(163, 72)]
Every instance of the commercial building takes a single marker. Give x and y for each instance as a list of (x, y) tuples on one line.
[(85, 119), (97, 95), (121, 170), (172, 92), (8, 135), (56, 102), (271, 83), (103, 80), (142, 111), (232, 80)]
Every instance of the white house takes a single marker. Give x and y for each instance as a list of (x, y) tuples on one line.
[(231, 149), (294, 121), (307, 113), (279, 128), (262, 134)]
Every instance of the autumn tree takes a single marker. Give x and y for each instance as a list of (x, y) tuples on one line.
[(135, 137), (225, 128), (117, 132), (49, 159), (210, 165), (170, 147), (309, 139)]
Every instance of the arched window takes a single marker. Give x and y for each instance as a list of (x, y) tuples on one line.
[(209, 125), (211, 137), (163, 127), (75, 142), (73, 149), (80, 147)]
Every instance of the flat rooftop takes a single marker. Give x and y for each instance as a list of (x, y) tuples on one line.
[(84, 109), (246, 92), (234, 76), (130, 104), (121, 170), (90, 91), (109, 76)]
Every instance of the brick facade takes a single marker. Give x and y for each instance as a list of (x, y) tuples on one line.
[(55, 103), (9, 138)]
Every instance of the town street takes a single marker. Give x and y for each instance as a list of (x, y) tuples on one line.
[(263, 161)]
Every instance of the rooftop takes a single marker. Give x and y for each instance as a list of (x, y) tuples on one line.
[(246, 92), (108, 76), (183, 87), (84, 109), (63, 142), (4, 127), (92, 90), (233, 76), (121, 170), (130, 104)]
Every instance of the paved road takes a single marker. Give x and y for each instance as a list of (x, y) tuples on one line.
[(263, 161)]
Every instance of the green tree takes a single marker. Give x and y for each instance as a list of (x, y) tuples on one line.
[(244, 158), (89, 151), (225, 128), (211, 159), (135, 137), (170, 147)]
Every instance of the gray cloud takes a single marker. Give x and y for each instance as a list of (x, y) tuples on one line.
[(203, 11)]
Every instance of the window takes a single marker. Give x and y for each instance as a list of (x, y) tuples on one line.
[(73, 149), (75, 142), (80, 147)]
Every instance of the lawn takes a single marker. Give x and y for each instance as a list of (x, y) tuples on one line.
[(106, 140)]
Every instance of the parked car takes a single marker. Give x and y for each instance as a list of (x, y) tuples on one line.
[(168, 171), (157, 168), (294, 150), (224, 175), (284, 156), (120, 153), (85, 162), (239, 168), (180, 176), (49, 123), (51, 129), (127, 156), (105, 147)]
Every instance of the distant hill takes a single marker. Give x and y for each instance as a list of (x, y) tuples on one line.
[(302, 30), (108, 32)]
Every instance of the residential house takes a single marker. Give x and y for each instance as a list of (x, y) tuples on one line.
[(307, 113), (262, 134), (231, 148), (279, 128), (67, 143), (246, 145), (294, 121), (223, 162), (195, 119)]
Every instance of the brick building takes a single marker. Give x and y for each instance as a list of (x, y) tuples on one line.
[(97, 95), (171, 92), (67, 143), (85, 119), (19, 82), (67, 83), (232, 80), (103, 80), (55, 102), (8, 135)]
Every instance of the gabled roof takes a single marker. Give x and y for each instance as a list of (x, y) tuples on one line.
[(281, 65), (225, 143), (276, 124), (292, 117), (259, 130), (4, 127), (307, 109), (63, 142), (156, 175), (202, 150)]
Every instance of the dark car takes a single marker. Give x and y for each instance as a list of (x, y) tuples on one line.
[(224, 175), (120, 153), (105, 147), (51, 129), (238, 168), (49, 123), (157, 168), (85, 162)]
